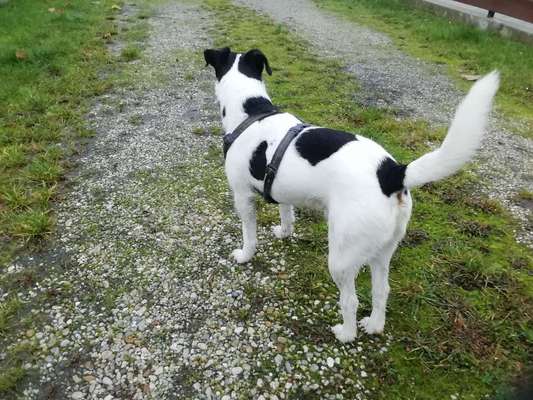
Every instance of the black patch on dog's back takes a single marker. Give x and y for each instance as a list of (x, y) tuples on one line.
[(257, 105), (258, 161), (318, 144), (390, 176)]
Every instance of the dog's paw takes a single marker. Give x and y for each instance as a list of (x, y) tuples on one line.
[(280, 232), (344, 335), (372, 325), (240, 256)]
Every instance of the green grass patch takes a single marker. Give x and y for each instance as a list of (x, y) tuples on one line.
[(130, 53), (460, 310), (51, 54), (465, 49)]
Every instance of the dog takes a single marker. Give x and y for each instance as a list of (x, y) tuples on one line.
[(364, 192)]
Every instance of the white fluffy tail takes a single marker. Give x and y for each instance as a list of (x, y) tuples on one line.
[(463, 139)]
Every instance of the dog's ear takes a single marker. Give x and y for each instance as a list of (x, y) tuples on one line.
[(252, 64), (219, 60)]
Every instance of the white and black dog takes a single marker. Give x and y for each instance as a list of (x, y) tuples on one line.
[(362, 189)]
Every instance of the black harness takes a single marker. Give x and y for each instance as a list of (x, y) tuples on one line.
[(231, 137), (272, 167)]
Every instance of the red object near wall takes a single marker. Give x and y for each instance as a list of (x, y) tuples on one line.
[(521, 9)]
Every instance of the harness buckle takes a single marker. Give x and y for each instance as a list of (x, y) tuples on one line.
[(270, 169)]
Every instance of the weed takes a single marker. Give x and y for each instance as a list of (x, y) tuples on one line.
[(130, 53), (198, 131), (136, 120)]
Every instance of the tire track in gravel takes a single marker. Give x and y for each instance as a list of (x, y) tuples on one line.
[(139, 298), (415, 89)]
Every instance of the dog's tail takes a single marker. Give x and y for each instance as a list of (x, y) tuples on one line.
[(463, 138)]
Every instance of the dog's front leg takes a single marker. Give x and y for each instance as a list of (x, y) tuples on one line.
[(245, 205), (285, 229)]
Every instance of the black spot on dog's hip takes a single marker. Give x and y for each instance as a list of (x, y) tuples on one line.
[(258, 162), (318, 144), (390, 176)]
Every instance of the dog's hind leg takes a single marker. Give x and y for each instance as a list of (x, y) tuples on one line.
[(245, 206), (343, 271), (286, 213), (379, 267)]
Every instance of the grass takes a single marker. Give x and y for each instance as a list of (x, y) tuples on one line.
[(463, 48), (460, 308), (130, 53), (51, 53)]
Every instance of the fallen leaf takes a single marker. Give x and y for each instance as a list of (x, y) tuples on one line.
[(115, 7), (52, 10), (469, 77), (21, 54)]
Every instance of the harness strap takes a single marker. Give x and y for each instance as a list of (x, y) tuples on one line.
[(272, 167), (229, 138)]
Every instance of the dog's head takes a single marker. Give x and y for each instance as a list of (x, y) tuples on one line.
[(249, 64), (239, 78)]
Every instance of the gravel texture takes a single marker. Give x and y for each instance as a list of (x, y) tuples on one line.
[(140, 298), (415, 89)]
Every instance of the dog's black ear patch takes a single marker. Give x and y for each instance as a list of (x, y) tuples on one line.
[(252, 63), (220, 59), (318, 144), (390, 176), (257, 105), (258, 162)]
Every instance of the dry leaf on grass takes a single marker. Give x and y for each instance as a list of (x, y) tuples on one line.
[(469, 77), (21, 54)]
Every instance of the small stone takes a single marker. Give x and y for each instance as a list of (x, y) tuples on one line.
[(77, 395), (236, 371), (88, 378), (239, 330), (278, 359), (107, 381), (363, 374), (330, 361), (202, 346)]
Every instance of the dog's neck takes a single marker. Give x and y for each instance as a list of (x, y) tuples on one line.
[(232, 97)]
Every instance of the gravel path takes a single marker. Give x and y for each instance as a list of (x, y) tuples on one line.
[(140, 299), (416, 89)]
